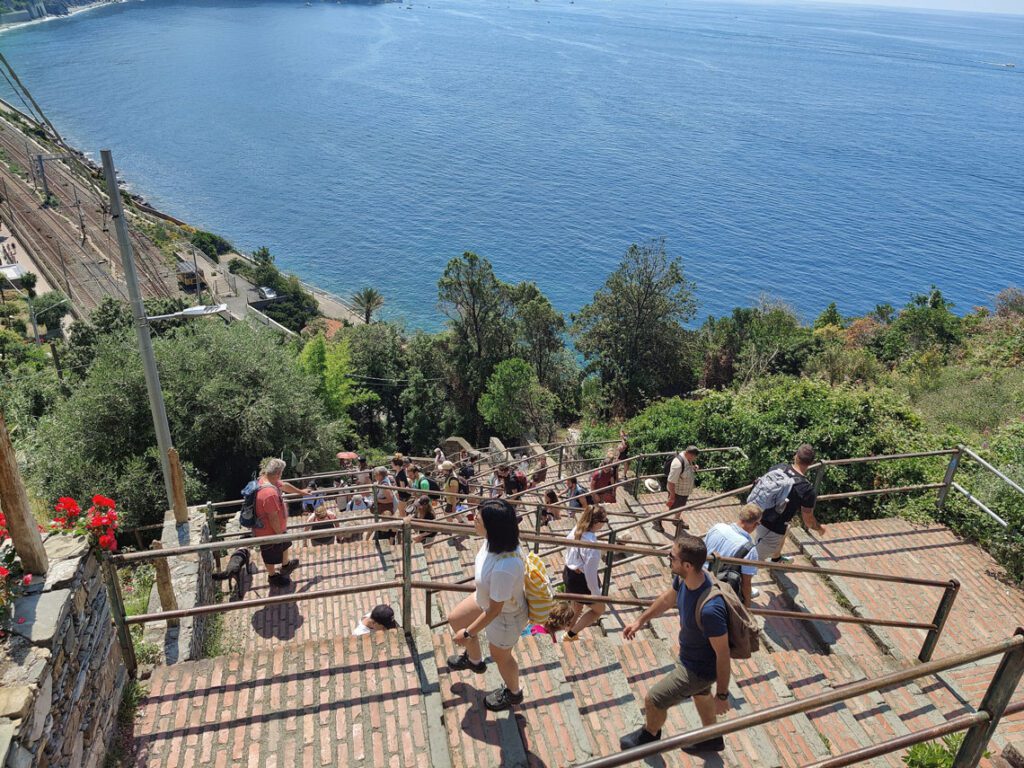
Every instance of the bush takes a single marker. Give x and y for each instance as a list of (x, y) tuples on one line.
[(769, 419), (212, 245)]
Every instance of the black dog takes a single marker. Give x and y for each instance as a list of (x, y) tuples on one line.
[(238, 573)]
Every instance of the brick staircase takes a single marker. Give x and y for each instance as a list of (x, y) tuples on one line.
[(296, 689)]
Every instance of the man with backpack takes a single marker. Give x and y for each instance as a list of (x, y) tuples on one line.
[(272, 520), (680, 478), (781, 492), (714, 628), (736, 540)]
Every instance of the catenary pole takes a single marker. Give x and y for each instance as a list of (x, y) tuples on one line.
[(156, 398)]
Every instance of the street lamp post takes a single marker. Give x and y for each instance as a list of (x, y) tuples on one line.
[(156, 400)]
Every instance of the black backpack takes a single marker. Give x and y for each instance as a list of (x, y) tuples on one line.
[(432, 484), (730, 573)]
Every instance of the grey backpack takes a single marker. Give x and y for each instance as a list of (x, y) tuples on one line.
[(771, 491)]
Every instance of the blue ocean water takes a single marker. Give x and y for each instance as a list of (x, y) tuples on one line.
[(812, 153)]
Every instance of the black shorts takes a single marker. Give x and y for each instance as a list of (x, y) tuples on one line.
[(575, 583), (273, 554)]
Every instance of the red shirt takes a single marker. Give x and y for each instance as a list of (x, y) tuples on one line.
[(270, 511)]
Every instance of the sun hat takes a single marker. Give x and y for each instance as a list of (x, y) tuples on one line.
[(447, 466), (652, 485)]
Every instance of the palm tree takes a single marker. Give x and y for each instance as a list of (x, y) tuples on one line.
[(367, 301)]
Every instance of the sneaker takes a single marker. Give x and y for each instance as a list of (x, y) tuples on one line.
[(567, 638), (290, 566), (716, 744), (782, 559), (461, 661), (636, 738), (658, 526), (754, 592), (502, 699), (279, 580)]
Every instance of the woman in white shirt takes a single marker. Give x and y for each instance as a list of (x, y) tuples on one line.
[(499, 604), (581, 568)]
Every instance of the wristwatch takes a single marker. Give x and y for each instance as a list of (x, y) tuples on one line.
[(466, 633), (722, 696)]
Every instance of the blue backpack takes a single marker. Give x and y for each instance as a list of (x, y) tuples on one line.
[(247, 516)]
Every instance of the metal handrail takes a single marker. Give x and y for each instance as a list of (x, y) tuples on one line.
[(1014, 645)]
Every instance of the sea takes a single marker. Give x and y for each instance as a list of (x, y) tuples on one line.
[(805, 153)]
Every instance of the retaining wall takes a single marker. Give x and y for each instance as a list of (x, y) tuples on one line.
[(61, 671)]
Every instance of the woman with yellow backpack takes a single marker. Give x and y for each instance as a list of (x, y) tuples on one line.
[(499, 604)]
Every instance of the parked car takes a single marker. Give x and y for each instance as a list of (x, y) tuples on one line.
[(266, 292)]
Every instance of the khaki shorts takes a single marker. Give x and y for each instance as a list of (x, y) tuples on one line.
[(678, 685), (505, 631), (768, 543)]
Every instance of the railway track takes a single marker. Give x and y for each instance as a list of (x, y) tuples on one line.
[(88, 269)]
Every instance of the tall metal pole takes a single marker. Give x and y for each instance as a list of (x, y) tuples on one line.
[(156, 399), (78, 204)]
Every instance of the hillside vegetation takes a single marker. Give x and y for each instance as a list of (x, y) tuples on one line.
[(918, 377)]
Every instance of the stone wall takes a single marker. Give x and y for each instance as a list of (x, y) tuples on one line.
[(192, 578), (61, 670)]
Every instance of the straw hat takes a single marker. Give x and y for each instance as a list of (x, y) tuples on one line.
[(652, 485)]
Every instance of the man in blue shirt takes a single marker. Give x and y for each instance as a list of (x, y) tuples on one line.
[(735, 540), (703, 650)]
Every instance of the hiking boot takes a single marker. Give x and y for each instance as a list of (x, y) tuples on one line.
[(716, 744), (279, 580), (502, 699), (290, 566), (636, 738), (658, 526), (461, 661)]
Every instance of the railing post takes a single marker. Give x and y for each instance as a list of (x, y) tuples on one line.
[(428, 601), (376, 505), (947, 481), (536, 529), (164, 586), (609, 561), (716, 564), (407, 578), (561, 451), (1000, 691), (124, 637), (941, 614), (819, 475)]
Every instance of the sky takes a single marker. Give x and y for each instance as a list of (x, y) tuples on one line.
[(982, 6)]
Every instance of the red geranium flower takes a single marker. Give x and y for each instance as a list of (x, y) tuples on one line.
[(108, 542), (4, 573), (102, 501)]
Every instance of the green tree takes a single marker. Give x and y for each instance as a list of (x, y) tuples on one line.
[(479, 316), (379, 358), (329, 365), (830, 316), (50, 308), (927, 322), (632, 333), (233, 393), (428, 412), (516, 404), (367, 301), (28, 283), (539, 330)]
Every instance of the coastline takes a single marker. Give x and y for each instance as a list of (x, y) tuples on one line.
[(74, 12)]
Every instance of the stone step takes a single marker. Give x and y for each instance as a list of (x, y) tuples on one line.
[(550, 724), (355, 701), (476, 737)]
